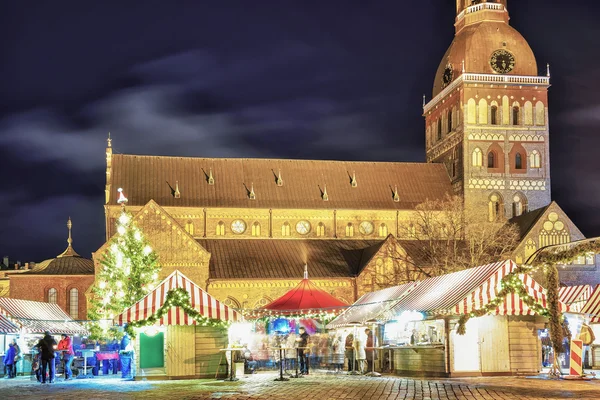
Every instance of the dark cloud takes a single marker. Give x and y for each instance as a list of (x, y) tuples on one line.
[(326, 80)]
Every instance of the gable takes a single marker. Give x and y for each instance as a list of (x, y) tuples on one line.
[(175, 248), (543, 227)]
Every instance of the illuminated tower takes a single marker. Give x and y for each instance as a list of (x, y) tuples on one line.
[(488, 118)]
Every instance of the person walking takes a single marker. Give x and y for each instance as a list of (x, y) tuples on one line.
[(302, 344), (47, 346), (66, 345), (9, 361)]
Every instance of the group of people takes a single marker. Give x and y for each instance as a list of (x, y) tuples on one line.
[(325, 350), (44, 364), (12, 355), (360, 351)]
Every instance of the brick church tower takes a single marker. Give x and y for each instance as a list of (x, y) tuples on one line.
[(488, 119)]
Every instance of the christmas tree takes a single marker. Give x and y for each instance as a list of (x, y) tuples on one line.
[(129, 271)]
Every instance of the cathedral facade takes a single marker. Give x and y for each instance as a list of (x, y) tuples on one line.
[(245, 228)]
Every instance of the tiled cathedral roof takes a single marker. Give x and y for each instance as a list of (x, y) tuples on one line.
[(285, 258), (156, 177)]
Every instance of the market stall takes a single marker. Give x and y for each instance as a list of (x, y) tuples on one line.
[(592, 312), (179, 330), (575, 296), (277, 325), (423, 336), (370, 311), (33, 318)]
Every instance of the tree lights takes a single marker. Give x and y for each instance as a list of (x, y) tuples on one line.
[(129, 271)]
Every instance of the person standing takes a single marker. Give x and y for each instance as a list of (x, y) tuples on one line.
[(359, 350), (349, 350), (370, 349), (338, 351), (302, 344), (66, 344), (47, 346), (9, 361)]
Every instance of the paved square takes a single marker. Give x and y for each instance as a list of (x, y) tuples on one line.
[(318, 386)]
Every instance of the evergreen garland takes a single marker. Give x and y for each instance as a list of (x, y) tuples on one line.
[(129, 271), (176, 298), (511, 283)]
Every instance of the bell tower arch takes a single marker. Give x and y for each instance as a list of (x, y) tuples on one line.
[(487, 120)]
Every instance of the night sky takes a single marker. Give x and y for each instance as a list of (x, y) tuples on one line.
[(282, 79)]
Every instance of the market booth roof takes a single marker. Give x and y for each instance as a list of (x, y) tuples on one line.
[(592, 307), (372, 306), (471, 289), (38, 317), (6, 326), (201, 301), (575, 296), (304, 298)]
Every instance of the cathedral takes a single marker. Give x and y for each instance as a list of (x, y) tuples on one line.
[(244, 229)]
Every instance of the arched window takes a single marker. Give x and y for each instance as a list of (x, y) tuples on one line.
[(321, 229), (449, 129), (491, 160), (220, 229), (518, 161), (515, 115), (494, 115), (483, 111), (528, 113), (74, 303), (477, 158), (530, 248), (519, 204), (232, 303), (383, 230), (535, 160), (52, 296), (439, 129), (471, 111), (262, 302), (349, 230), (256, 229), (496, 208), (189, 227), (540, 114), (285, 229)]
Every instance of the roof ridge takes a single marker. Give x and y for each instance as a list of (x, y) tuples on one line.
[(278, 159)]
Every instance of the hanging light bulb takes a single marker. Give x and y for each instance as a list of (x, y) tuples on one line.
[(102, 284), (147, 250), (121, 230), (137, 235)]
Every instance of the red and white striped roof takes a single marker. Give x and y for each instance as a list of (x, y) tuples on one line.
[(372, 306), (464, 291), (204, 303), (592, 307), (6, 326), (575, 296), (38, 317)]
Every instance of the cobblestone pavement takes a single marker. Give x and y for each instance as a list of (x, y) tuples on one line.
[(321, 387)]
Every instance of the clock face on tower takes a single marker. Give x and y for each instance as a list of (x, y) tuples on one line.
[(502, 61), (447, 77)]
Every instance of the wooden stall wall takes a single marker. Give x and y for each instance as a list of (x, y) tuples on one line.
[(181, 350), (208, 342), (524, 344), (494, 345), (420, 361)]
